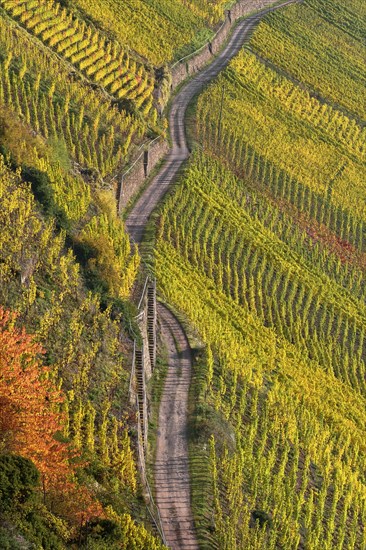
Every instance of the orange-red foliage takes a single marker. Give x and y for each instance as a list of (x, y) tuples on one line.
[(29, 416)]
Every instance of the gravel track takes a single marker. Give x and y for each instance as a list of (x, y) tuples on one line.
[(172, 480), (140, 213)]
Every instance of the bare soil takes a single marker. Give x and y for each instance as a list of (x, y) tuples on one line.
[(172, 479)]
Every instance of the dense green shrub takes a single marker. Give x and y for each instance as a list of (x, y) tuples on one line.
[(19, 479)]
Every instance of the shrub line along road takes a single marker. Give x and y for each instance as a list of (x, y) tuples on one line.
[(172, 462)]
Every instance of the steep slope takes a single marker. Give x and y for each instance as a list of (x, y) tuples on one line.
[(79, 331), (102, 60), (324, 45), (261, 245), (156, 30), (67, 269), (138, 216)]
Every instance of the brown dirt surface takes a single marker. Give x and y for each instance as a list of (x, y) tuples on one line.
[(172, 478)]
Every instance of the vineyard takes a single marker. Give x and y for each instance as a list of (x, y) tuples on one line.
[(290, 452), (241, 247), (158, 31), (280, 124), (288, 341), (99, 59), (262, 247), (72, 305), (259, 249), (333, 65), (67, 268), (45, 95)]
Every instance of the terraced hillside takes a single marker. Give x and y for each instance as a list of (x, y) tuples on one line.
[(102, 60), (159, 31), (98, 132), (262, 247)]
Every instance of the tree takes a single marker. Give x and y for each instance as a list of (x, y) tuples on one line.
[(18, 480), (28, 402), (30, 420)]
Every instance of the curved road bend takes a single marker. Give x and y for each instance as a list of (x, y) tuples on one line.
[(172, 480), (179, 152)]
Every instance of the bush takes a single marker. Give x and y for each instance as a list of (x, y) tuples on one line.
[(19, 479), (261, 517), (105, 529), (40, 531), (43, 192), (7, 541)]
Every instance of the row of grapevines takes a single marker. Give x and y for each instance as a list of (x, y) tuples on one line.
[(250, 264), (274, 179), (298, 102), (285, 132), (348, 16), (45, 95), (71, 194), (99, 59), (155, 29), (291, 476), (305, 42), (102, 433), (275, 490), (303, 240)]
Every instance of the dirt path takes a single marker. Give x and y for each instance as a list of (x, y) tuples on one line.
[(172, 480), (143, 208)]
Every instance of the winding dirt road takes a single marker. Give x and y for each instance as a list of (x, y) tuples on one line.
[(172, 480), (179, 152)]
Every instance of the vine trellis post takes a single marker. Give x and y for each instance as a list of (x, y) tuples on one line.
[(143, 364)]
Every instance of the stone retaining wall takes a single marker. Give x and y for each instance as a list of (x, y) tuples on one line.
[(191, 65), (131, 181)]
